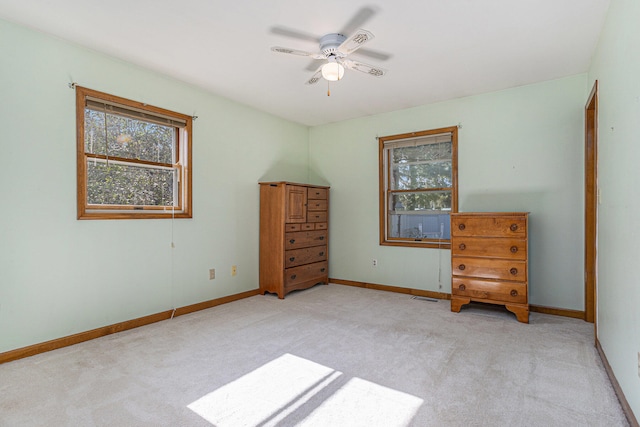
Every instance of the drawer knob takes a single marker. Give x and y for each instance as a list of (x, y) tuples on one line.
[(514, 227), (462, 287), (462, 267), (514, 293), (321, 237), (293, 276), (514, 249), (513, 271), (322, 270), (462, 246), (292, 259), (461, 227), (321, 253), (292, 241)]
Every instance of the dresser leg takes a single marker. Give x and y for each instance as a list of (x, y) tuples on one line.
[(521, 312), (457, 303)]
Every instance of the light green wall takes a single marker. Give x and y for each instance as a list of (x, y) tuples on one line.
[(519, 150), (60, 276), (616, 66)]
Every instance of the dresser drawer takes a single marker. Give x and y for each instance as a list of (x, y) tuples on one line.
[(319, 216), (317, 205), (321, 225), (292, 227), (502, 226), (488, 268), (303, 239), (317, 193), (308, 226), (305, 256), (304, 273), (486, 289), (492, 248)]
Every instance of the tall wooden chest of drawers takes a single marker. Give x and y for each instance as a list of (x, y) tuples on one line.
[(294, 236), (489, 257)]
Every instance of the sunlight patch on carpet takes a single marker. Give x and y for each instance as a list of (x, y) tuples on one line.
[(266, 394), (274, 391), (363, 403)]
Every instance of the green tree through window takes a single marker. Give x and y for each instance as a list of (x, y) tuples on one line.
[(133, 160), (418, 176)]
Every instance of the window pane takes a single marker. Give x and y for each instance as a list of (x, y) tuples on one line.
[(419, 215), (423, 166), (420, 201), (418, 187), (128, 138), (132, 185), (418, 225)]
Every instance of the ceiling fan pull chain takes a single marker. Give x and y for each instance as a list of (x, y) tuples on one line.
[(328, 88)]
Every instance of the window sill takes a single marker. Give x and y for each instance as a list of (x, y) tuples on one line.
[(137, 215), (444, 244)]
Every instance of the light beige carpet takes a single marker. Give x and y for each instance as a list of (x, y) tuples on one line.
[(327, 356)]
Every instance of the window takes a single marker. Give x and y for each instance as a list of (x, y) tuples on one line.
[(133, 160), (418, 187)]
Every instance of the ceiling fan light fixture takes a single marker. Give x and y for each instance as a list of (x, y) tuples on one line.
[(332, 71)]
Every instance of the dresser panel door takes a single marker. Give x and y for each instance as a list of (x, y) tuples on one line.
[(296, 201)]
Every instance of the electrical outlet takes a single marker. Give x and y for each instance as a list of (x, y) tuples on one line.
[(212, 273), (234, 270), (374, 262)]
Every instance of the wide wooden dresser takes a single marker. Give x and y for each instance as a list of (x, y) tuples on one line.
[(489, 257), (294, 236)]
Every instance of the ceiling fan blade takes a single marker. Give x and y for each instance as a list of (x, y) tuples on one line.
[(358, 20), (356, 41), (364, 68), (315, 78), (296, 52), (313, 65), (380, 56), (287, 32)]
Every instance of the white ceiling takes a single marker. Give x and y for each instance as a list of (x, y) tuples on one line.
[(440, 49)]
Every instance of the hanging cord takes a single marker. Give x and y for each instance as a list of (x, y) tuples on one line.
[(440, 256), (173, 246), (173, 296)]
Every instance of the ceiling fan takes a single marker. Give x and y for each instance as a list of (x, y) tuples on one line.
[(334, 49)]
